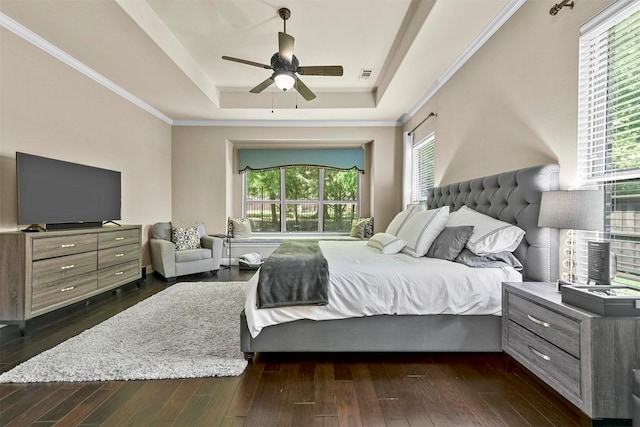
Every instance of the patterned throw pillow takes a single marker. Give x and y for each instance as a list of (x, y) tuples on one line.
[(185, 238), (362, 228)]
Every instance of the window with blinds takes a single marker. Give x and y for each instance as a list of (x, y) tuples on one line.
[(423, 168), (609, 132)]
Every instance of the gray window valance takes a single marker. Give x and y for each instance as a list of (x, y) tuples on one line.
[(265, 159)]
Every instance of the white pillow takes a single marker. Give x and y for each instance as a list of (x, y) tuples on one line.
[(421, 229), (401, 218), (490, 235), (388, 244), (240, 227)]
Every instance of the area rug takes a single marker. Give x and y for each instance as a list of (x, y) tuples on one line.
[(188, 330)]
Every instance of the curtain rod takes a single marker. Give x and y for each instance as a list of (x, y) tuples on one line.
[(431, 114)]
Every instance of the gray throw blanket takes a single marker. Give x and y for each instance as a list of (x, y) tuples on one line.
[(296, 273)]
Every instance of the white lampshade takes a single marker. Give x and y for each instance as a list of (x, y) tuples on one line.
[(575, 210), (284, 80)]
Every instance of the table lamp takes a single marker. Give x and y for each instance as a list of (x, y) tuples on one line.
[(571, 210)]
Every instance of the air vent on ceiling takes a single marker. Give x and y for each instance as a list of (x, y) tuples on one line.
[(365, 73)]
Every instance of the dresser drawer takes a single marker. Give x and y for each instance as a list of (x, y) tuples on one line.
[(118, 238), (118, 255), (547, 360), (65, 267), (61, 291), (119, 274), (556, 328), (50, 247)]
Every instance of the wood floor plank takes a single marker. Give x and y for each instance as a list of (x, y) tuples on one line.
[(342, 371), (284, 412), (370, 411), (72, 398), (442, 377), (193, 411), (8, 389), (416, 402), (220, 401), (243, 397), (78, 414), (347, 402), (175, 405), (23, 400), (116, 406), (148, 401), (303, 414), (34, 412), (326, 421), (325, 391), (266, 400)]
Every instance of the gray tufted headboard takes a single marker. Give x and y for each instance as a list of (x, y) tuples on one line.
[(513, 197)]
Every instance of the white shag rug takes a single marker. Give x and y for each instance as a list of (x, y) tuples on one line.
[(189, 330)]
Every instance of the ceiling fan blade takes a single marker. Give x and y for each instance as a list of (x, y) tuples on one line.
[(285, 46), (244, 61), (321, 70), (304, 90), (262, 86)]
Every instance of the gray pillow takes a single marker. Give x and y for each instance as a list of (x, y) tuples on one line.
[(450, 242), (496, 260)]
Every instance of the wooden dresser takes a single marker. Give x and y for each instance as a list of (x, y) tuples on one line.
[(585, 357), (41, 272)]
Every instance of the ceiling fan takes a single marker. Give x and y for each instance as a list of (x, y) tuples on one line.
[(286, 67)]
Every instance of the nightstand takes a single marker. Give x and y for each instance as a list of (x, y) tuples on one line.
[(585, 357)]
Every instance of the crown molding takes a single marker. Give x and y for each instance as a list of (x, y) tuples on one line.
[(505, 14), (286, 123), (28, 35)]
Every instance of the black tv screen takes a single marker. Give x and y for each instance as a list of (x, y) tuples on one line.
[(53, 191)]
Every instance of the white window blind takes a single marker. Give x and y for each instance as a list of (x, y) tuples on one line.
[(609, 131), (423, 168)]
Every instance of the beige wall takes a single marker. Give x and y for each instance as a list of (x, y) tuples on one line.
[(51, 110), (207, 186), (514, 103)]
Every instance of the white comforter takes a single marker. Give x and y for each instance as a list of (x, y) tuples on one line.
[(364, 282)]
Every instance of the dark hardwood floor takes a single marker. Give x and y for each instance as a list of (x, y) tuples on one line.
[(276, 389)]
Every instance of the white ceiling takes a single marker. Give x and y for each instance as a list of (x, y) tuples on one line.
[(166, 54)]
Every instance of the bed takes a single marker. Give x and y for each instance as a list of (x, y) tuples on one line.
[(512, 197)]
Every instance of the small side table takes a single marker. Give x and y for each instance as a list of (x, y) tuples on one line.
[(585, 357)]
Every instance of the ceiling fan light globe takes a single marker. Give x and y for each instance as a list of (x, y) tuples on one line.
[(284, 81)]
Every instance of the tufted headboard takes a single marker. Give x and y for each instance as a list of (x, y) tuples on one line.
[(513, 197)]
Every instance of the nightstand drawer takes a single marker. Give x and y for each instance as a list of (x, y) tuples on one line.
[(548, 361), (556, 328)]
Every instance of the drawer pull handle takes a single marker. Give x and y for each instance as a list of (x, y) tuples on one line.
[(119, 255), (66, 267), (538, 321), (119, 238), (70, 288), (68, 245), (119, 273), (539, 354)]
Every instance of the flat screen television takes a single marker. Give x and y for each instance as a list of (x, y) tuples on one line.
[(63, 195)]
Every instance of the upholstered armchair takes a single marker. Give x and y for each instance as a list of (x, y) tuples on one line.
[(193, 252)]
